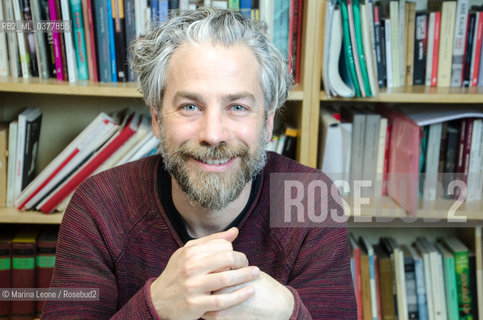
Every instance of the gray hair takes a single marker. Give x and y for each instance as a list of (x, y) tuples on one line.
[(150, 55)]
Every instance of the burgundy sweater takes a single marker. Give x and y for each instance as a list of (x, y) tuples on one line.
[(115, 236)]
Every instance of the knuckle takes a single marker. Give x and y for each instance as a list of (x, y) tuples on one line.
[(191, 304), (218, 301), (187, 270), (224, 279), (189, 287)]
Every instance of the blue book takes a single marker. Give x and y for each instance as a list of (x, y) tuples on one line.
[(173, 4), (112, 44), (80, 39), (129, 22), (420, 284), (411, 289), (163, 7), (102, 39), (450, 281), (280, 27), (246, 8)]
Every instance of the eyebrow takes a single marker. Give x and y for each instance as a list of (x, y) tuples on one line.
[(229, 97)]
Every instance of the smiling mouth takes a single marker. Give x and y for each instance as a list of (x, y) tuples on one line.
[(214, 161)]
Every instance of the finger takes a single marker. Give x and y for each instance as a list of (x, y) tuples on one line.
[(216, 302), (221, 280), (228, 235), (222, 261)]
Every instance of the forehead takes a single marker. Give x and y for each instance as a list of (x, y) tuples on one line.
[(213, 67)]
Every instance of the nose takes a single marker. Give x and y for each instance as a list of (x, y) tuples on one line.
[(213, 129)]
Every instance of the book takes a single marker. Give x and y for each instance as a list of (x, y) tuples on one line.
[(420, 48), (356, 257), (80, 39), (366, 298), (395, 42), (13, 53), (475, 63), (130, 28), (429, 54), (432, 162), (78, 151), (370, 153), (6, 236), (357, 49), (103, 40), (28, 135), (70, 55), (459, 41), (358, 120), (448, 15), (388, 48), (56, 42), (374, 297), (409, 42), (468, 54), (450, 157), (289, 147), (366, 41), (45, 15), (379, 48), (120, 39), (67, 187), (436, 49), (460, 252), (21, 40), (475, 165), (3, 163), (4, 67), (23, 269), (420, 283), (111, 35), (450, 281), (280, 25), (411, 288), (88, 12), (12, 160), (45, 260), (40, 41), (386, 279)]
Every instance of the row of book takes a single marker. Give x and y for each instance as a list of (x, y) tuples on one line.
[(108, 141), (27, 259), (392, 43), (95, 46), (285, 142), (420, 280), (406, 152)]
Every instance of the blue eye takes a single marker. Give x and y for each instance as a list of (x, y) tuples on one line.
[(238, 108), (190, 107)]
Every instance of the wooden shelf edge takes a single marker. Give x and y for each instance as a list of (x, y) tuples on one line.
[(385, 208), (418, 94), (12, 215)]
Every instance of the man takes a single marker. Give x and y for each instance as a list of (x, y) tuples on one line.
[(187, 234)]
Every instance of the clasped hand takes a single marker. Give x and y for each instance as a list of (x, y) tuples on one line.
[(208, 279)]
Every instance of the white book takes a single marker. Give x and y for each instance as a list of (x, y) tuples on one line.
[(27, 115), (366, 39), (429, 54), (370, 21), (184, 5), (147, 134), (140, 8), (459, 41), (207, 3), (474, 167), (89, 140), (3, 46), (272, 145), (219, 4), (438, 282), (281, 143), (387, 31), (448, 12), (381, 152), (22, 47), (145, 148), (432, 162), (329, 15), (395, 39), (266, 14), (402, 42), (425, 254), (400, 277), (70, 55), (12, 42), (40, 42), (12, 157)]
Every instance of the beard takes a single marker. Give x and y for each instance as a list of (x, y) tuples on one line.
[(212, 190)]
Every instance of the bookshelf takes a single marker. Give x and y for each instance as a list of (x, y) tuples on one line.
[(68, 107)]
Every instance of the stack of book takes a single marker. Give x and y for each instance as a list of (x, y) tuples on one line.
[(27, 258), (401, 43), (406, 152), (88, 39), (418, 280)]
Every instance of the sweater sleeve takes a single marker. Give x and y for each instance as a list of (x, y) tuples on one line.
[(321, 281), (83, 260)]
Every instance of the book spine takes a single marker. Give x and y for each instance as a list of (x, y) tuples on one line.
[(154, 5), (22, 125), (436, 49), (30, 38), (130, 33), (355, 51), (22, 47), (69, 44), (378, 48), (5, 275), (120, 39), (410, 45), (420, 289), (469, 50), (40, 41), (448, 14), (80, 40), (411, 293), (477, 55), (23, 276), (87, 34), (3, 46), (49, 40), (246, 7), (56, 43), (360, 48), (474, 49), (429, 54), (348, 56), (94, 76), (395, 50), (163, 10), (12, 43), (460, 29), (12, 147), (31, 150), (112, 44), (298, 13), (463, 285), (44, 262), (420, 48), (388, 46), (280, 27), (291, 22), (234, 4), (103, 40)]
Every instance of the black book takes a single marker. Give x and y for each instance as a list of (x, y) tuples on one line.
[(380, 57), (32, 138), (469, 49), (420, 48)]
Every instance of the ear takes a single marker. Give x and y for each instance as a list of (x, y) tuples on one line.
[(155, 122), (270, 120)]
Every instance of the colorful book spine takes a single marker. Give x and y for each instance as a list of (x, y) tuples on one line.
[(436, 48), (80, 39), (420, 48), (280, 27), (6, 237), (22, 47), (90, 40), (468, 55), (69, 44), (112, 43), (130, 28), (460, 29), (45, 260), (45, 15), (235, 4), (30, 39), (477, 55), (120, 39), (40, 41), (103, 40), (348, 56), (448, 14), (56, 43)]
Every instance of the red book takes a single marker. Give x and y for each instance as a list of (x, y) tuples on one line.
[(298, 39), (291, 23), (23, 270), (56, 43), (90, 39), (386, 160), (466, 132), (6, 238), (478, 42), (45, 261), (65, 189), (356, 255), (437, 29)]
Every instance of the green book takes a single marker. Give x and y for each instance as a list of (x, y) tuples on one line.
[(462, 267), (234, 4), (449, 281), (360, 49), (348, 55)]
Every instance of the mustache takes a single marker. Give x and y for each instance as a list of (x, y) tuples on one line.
[(203, 153)]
